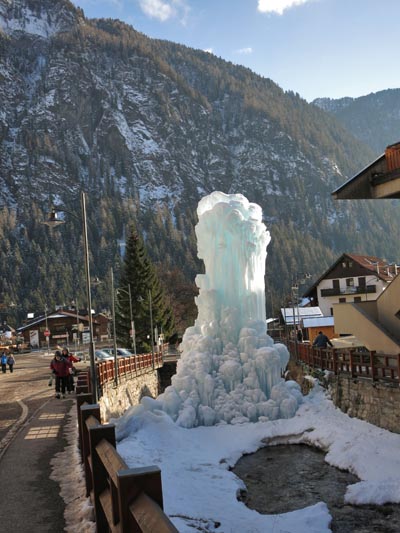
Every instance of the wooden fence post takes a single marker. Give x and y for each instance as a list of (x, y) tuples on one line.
[(100, 476), (373, 367), (86, 412), (398, 368), (131, 482), (352, 373), (81, 399)]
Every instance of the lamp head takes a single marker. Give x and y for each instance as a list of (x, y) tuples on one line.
[(52, 219)]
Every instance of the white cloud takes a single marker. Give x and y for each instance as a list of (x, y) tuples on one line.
[(157, 9), (245, 51), (209, 50), (278, 6), (164, 10)]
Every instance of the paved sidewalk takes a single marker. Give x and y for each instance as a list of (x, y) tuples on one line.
[(32, 422), (30, 501)]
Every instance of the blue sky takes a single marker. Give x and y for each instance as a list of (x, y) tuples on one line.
[(330, 48)]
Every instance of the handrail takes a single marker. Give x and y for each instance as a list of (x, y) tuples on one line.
[(124, 499), (350, 361)]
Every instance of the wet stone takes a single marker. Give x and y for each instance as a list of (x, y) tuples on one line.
[(284, 478)]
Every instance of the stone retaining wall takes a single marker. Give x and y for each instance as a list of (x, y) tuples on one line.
[(374, 402), (115, 401)]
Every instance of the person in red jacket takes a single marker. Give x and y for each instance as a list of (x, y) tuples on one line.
[(60, 368), (72, 359)]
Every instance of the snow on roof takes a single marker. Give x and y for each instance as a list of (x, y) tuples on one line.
[(300, 313), (318, 322)]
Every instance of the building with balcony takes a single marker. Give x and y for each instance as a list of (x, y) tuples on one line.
[(351, 279), (374, 323), (380, 179)]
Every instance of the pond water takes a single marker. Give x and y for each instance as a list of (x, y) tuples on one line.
[(285, 478)]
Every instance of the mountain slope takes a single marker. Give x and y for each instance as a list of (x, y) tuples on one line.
[(147, 128), (374, 119)]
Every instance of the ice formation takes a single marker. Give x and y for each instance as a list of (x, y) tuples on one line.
[(230, 369)]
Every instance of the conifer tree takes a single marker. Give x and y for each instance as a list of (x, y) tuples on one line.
[(147, 298)]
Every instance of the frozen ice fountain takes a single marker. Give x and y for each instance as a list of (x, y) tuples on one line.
[(230, 369)]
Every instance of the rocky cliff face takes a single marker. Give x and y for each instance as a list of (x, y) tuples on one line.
[(148, 128)]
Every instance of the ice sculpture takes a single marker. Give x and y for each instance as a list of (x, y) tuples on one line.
[(230, 370)]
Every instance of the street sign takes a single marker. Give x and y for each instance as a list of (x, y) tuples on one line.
[(46, 333)]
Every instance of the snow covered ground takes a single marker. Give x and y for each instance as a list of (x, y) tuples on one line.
[(201, 492), (199, 489)]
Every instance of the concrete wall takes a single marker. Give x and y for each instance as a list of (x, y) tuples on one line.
[(350, 319), (373, 402), (115, 401)]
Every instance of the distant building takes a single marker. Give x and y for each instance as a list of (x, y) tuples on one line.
[(375, 323), (65, 327), (352, 278)]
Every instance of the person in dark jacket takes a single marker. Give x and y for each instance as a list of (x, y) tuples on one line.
[(60, 368), (72, 359), (11, 362), (321, 341)]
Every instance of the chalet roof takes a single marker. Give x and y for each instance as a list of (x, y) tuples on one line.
[(51, 316), (380, 179), (377, 267)]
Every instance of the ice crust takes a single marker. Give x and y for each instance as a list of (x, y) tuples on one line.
[(230, 369)]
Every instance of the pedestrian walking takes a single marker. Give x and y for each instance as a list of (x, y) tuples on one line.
[(11, 362), (72, 359), (4, 362), (60, 368)]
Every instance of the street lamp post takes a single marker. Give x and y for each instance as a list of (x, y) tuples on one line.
[(140, 299), (152, 332), (114, 328), (89, 299), (47, 329), (54, 221)]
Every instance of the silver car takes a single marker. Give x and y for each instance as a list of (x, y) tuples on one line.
[(102, 355)]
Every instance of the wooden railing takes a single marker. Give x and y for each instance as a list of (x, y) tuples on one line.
[(350, 361), (124, 499), (128, 367)]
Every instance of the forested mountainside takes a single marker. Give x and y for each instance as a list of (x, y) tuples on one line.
[(374, 119), (147, 128)]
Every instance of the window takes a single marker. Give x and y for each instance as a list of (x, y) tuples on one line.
[(357, 299), (342, 300), (335, 284), (344, 265), (350, 282), (331, 311), (361, 282)]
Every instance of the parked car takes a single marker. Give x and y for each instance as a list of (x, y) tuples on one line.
[(102, 355), (121, 352)]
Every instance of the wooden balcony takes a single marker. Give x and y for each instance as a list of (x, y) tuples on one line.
[(366, 289)]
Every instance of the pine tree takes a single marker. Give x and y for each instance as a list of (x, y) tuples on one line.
[(148, 300)]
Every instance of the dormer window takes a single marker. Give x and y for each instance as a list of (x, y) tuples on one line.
[(344, 264)]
